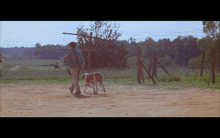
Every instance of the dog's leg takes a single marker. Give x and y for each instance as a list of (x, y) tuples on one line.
[(100, 81), (85, 87), (93, 86), (96, 86), (103, 87), (95, 83)]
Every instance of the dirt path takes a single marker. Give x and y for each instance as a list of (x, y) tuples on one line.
[(120, 101)]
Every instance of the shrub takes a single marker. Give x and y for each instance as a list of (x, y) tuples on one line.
[(194, 62), (165, 61)]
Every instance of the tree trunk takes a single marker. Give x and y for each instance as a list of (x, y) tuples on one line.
[(150, 62), (203, 58), (154, 69), (209, 78), (138, 65), (142, 75), (213, 67), (213, 76)]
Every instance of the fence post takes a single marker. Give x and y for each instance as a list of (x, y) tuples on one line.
[(138, 65)]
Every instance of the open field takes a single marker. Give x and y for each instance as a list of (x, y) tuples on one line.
[(39, 91), (31, 73), (52, 100)]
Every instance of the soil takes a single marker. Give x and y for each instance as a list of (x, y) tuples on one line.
[(52, 100)]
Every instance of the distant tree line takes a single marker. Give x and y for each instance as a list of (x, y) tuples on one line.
[(180, 50), (49, 51)]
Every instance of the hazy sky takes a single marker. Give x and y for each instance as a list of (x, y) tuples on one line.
[(28, 33)]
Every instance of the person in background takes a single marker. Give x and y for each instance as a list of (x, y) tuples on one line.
[(56, 66)]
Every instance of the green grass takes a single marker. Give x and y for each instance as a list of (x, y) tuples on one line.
[(188, 78), (29, 62), (32, 74), (105, 95)]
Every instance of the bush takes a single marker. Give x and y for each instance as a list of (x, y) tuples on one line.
[(165, 61), (167, 78), (194, 62), (132, 62)]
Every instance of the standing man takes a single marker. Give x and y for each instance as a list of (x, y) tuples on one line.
[(75, 61)]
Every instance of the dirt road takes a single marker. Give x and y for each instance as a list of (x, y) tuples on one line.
[(120, 101)]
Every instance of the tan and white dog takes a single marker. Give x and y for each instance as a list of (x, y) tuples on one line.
[(93, 78)]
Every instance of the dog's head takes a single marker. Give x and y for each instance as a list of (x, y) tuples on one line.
[(84, 76)]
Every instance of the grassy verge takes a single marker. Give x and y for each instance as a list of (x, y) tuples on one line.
[(47, 75)]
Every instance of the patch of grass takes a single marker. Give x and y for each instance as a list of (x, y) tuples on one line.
[(29, 62), (31, 73), (105, 95)]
